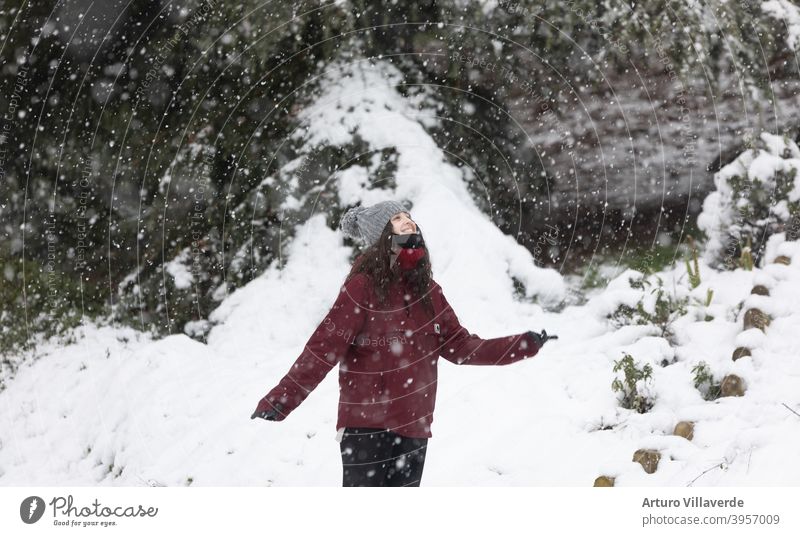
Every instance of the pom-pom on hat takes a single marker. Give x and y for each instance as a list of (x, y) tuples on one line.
[(366, 224)]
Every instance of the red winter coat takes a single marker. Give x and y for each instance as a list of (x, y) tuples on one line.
[(387, 358)]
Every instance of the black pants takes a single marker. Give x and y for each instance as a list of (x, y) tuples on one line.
[(375, 457)]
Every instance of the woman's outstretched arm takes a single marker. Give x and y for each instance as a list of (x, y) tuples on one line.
[(329, 342), (464, 348)]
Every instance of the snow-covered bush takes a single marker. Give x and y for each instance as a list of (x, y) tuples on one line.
[(757, 195), (658, 307), (633, 386), (704, 381)]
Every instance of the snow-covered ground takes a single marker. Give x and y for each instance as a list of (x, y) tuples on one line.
[(118, 408)]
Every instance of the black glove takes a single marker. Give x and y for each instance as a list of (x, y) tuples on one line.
[(542, 337), (267, 414)]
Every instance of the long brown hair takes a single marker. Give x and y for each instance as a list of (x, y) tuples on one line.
[(375, 262)]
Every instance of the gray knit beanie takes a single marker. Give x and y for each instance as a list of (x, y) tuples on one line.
[(366, 223)]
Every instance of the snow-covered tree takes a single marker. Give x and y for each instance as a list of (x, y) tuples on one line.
[(757, 195)]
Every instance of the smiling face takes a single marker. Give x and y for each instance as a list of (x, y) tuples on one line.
[(403, 224)]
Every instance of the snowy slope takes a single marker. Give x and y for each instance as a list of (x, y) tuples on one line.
[(175, 411), (119, 408)]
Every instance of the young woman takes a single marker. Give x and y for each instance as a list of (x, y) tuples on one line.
[(386, 331)]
